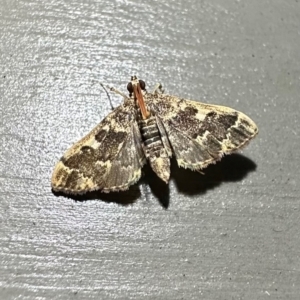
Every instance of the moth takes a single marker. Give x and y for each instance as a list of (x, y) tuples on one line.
[(150, 127)]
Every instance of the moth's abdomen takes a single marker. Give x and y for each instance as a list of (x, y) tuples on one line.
[(150, 133), (154, 149)]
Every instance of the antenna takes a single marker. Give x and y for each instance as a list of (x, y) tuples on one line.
[(111, 105)]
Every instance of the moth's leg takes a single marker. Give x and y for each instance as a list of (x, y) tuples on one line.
[(200, 172), (158, 89), (118, 92)]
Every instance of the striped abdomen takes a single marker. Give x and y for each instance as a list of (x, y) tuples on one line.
[(150, 134), (154, 149)]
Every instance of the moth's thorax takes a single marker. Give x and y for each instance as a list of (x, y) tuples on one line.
[(136, 88), (154, 148), (137, 103)]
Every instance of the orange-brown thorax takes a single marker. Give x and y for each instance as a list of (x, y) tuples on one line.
[(137, 92)]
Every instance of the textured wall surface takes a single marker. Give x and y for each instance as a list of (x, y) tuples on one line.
[(231, 234)]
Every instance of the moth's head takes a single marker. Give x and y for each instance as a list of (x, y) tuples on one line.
[(135, 84)]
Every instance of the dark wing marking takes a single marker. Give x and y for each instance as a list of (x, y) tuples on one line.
[(109, 158), (200, 134)]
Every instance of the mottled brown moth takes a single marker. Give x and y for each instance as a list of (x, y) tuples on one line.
[(150, 127)]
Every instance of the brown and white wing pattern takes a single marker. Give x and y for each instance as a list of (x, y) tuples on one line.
[(200, 134), (109, 158)]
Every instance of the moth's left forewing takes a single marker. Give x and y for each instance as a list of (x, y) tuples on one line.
[(233, 129), (199, 133), (241, 133)]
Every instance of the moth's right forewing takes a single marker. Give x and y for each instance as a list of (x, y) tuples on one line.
[(108, 158)]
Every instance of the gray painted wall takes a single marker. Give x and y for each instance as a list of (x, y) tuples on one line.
[(231, 234)]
